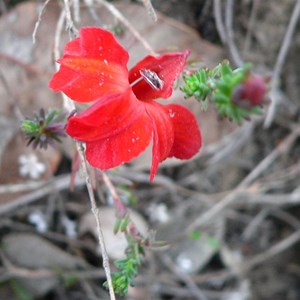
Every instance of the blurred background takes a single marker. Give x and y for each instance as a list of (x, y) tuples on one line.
[(228, 218)]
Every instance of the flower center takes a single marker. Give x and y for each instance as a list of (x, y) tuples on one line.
[(151, 78)]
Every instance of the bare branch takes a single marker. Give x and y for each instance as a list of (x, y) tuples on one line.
[(150, 9), (197, 293), (59, 183), (37, 24), (70, 104), (114, 11), (229, 199), (219, 21), (285, 46), (230, 34)]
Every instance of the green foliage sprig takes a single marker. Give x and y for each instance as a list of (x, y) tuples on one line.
[(127, 266), (236, 94), (44, 128)]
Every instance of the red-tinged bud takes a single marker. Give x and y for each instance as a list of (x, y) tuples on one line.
[(250, 93)]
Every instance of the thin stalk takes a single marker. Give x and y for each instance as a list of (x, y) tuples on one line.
[(71, 107)]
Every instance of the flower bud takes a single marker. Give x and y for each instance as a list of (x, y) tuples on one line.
[(250, 93), (45, 128)]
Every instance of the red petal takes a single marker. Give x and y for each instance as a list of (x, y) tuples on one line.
[(99, 43), (115, 130), (168, 68), (163, 134), (106, 118), (187, 136), (123, 147), (93, 64), (73, 48)]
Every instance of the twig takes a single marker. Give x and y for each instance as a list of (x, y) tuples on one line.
[(76, 10), (230, 34), (165, 183), (254, 261), (254, 224), (219, 21), (280, 176), (150, 9), (121, 209), (80, 150), (114, 11), (271, 252), (69, 21), (59, 183), (286, 217), (283, 147), (231, 148), (250, 26), (258, 259), (229, 199), (20, 187), (68, 105), (95, 211), (88, 290), (26, 66), (20, 272), (89, 4), (197, 293), (280, 63), (250, 199), (37, 24)]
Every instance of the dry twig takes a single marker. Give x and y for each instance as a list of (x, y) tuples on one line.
[(20, 187), (84, 165), (262, 166), (57, 184), (285, 46), (219, 21), (250, 26), (69, 21), (76, 10), (150, 9), (197, 293), (226, 31), (114, 11), (92, 11), (230, 34), (38, 22), (276, 249)]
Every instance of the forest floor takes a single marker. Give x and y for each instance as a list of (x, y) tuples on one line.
[(229, 218)]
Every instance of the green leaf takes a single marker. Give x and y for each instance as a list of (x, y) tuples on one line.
[(195, 235), (226, 70), (117, 226), (20, 292), (70, 280), (213, 242), (124, 223)]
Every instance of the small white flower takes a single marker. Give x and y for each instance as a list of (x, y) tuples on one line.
[(158, 213), (37, 218), (184, 262), (30, 166), (70, 227)]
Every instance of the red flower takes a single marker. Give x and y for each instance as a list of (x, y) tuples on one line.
[(124, 118)]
